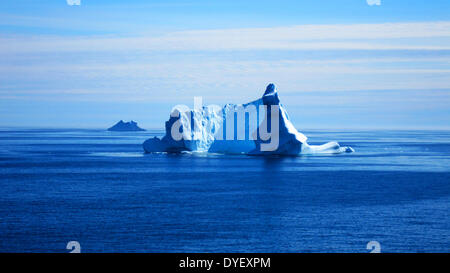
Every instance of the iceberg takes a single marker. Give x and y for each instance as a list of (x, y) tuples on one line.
[(260, 127), (125, 126)]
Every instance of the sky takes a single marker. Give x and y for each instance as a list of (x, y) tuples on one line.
[(382, 64)]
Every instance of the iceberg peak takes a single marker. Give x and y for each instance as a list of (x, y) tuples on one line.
[(270, 89), (270, 96)]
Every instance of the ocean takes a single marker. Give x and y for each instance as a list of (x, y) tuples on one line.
[(98, 188)]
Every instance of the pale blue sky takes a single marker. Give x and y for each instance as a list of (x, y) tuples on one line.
[(337, 64)]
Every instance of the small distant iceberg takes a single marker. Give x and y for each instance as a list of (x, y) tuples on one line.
[(260, 127), (122, 126)]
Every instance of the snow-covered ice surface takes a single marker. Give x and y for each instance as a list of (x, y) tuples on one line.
[(205, 129)]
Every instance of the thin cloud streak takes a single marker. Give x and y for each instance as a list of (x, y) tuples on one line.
[(305, 37)]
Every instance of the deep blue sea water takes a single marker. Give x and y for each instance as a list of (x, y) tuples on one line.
[(98, 188)]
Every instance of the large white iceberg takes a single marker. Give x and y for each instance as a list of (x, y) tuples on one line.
[(260, 127)]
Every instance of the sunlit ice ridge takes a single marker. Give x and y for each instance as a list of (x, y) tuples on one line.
[(260, 127)]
